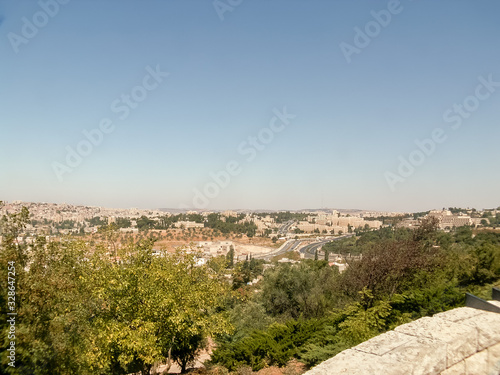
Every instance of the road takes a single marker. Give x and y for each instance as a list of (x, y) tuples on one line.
[(297, 245), (310, 250), (285, 227)]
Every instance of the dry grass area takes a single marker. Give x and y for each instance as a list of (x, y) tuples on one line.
[(172, 238)]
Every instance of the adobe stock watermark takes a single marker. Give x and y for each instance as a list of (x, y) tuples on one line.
[(31, 26), (249, 150), (364, 36), (122, 108), (223, 6), (454, 116)]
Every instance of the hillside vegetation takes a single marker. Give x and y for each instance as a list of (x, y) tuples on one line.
[(101, 309)]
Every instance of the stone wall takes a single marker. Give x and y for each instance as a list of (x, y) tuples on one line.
[(460, 341)]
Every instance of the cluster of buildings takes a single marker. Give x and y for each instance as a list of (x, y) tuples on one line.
[(383, 213), (448, 221), (50, 218), (61, 212), (215, 248), (47, 216), (334, 223), (218, 248)]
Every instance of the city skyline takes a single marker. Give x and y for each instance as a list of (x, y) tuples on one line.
[(242, 209), (286, 105)]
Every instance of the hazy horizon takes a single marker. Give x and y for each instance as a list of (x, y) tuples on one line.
[(173, 209)]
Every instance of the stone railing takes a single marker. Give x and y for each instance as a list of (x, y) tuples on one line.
[(462, 341)]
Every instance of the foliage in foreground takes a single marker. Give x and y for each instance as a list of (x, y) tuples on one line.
[(403, 275), (83, 310), (98, 309)]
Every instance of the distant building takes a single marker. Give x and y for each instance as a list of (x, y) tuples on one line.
[(129, 230), (215, 248), (188, 224), (447, 220), (341, 266)]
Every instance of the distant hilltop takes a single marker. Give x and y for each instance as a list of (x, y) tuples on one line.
[(352, 211)]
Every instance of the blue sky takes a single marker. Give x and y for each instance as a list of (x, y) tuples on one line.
[(355, 117)]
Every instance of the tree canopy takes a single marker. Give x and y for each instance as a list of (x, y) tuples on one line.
[(89, 310)]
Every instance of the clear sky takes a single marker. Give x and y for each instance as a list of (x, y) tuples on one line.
[(359, 82)]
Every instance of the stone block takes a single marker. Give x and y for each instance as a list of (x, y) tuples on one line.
[(353, 362), (425, 356), (494, 359), (458, 314), (384, 343), (456, 369), (488, 327), (477, 364), (461, 340)]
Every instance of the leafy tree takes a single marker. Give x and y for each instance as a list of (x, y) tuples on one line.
[(230, 257), (97, 221), (144, 223), (484, 270), (364, 319), (302, 290), (122, 222), (248, 317), (51, 321), (387, 267), (82, 311), (275, 345), (161, 308)]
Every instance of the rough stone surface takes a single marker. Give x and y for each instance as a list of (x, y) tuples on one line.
[(452, 334), (462, 341), (488, 326), (456, 369), (425, 356), (494, 359), (353, 362), (477, 364), (458, 314), (384, 343)]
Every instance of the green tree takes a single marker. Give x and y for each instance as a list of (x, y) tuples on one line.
[(484, 256), (160, 308), (303, 290), (230, 257), (82, 311), (144, 223), (51, 302), (123, 222)]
